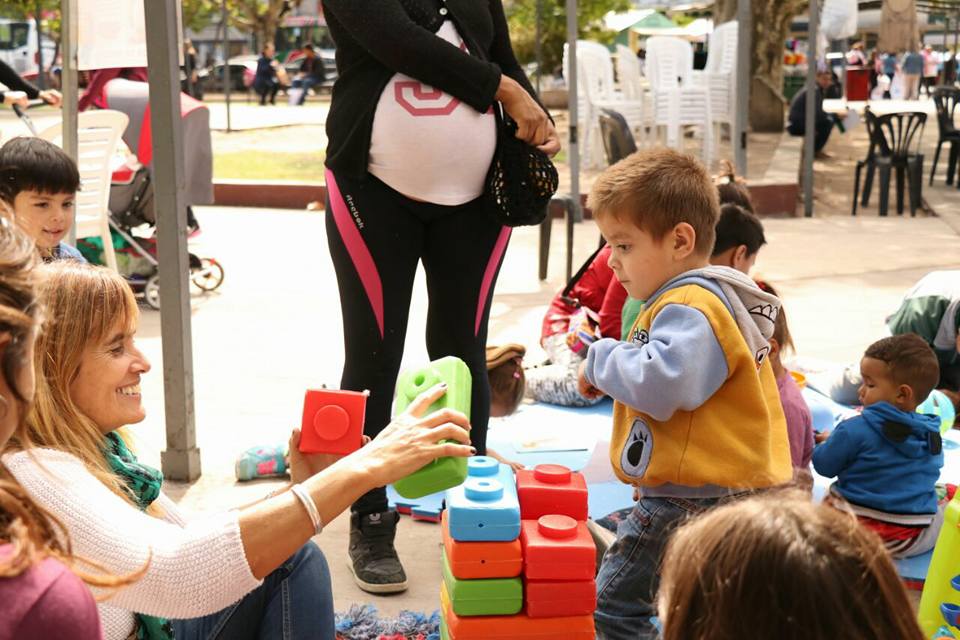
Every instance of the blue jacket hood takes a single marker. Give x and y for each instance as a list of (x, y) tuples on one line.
[(914, 435)]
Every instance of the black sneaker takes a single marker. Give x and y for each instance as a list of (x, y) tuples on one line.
[(373, 559)]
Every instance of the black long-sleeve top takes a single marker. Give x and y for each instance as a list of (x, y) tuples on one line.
[(378, 38), (14, 82)]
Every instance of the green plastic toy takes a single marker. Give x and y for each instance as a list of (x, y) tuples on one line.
[(486, 597), (941, 586), (443, 473), (444, 632)]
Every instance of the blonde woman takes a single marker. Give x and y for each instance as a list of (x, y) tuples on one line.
[(248, 573), (41, 597)]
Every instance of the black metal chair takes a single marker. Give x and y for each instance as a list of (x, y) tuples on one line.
[(618, 140), (894, 145), (869, 162), (947, 99)]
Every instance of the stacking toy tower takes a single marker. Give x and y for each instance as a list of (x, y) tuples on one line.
[(941, 590), (518, 561), (442, 473)]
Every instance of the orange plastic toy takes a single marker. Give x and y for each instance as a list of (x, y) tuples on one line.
[(557, 547), (551, 489), (475, 560), (332, 421), (551, 598), (518, 627)]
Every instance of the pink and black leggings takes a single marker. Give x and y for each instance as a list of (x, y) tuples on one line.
[(377, 237)]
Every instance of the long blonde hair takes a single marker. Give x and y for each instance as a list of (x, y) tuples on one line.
[(30, 530), (83, 305), (777, 566)]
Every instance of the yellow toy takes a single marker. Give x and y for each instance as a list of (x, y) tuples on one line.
[(941, 591)]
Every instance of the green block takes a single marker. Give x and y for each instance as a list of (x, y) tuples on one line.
[(443, 473), (487, 597), (444, 632)]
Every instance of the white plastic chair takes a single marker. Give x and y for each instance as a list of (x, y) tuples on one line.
[(595, 91), (635, 87), (678, 100), (97, 137), (720, 74)]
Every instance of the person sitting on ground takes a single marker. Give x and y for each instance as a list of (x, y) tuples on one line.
[(224, 576), (697, 419), (778, 566), (39, 184), (931, 309), (41, 596), (266, 84), (507, 385), (795, 409), (823, 122), (589, 307), (312, 73), (887, 460)]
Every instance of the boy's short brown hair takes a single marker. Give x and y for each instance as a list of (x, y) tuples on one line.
[(909, 360), (660, 188)]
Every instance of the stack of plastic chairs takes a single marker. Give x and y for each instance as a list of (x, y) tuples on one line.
[(635, 87), (596, 90), (678, 99), (720, 75)]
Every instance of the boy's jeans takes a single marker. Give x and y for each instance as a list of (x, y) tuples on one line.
[(630, 573)]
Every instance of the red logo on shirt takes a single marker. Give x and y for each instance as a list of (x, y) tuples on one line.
[(424, 100)]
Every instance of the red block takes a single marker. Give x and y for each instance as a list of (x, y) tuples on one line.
[(553, 598), (332, 421), (557, 547), (551, 489)]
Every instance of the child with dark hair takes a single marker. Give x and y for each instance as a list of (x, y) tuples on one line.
[(778, 566), (887, 460), (507, 386), (731, 188), (739, 238), (795, 409), (39, 184)]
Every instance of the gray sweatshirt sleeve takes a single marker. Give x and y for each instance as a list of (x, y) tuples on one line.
[(680, 367)]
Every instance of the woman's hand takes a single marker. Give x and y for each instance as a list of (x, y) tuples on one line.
[(52, 97), (533, 125), (411, 440), (304, 465)]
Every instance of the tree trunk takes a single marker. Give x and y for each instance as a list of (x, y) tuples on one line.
[(771, 24)]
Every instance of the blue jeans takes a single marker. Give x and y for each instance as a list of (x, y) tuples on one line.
[(306, 83), (295, 602), (630, 573)]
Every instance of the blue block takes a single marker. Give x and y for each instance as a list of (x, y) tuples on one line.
[(485, 507)]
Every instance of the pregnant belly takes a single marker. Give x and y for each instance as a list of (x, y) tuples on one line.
[(430, 146)]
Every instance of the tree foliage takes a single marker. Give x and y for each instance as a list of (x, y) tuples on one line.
[(258, 17), (522, 15)]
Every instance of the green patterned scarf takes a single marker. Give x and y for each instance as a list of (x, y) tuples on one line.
[(144, 483)]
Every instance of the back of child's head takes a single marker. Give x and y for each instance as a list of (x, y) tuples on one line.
[(777, 566), (909, 360), (657, 189), (738, 227), (781, 330), (731, 189), (34, 164), (507, 381)]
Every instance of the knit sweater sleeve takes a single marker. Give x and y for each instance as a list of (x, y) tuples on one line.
[(194, 570)]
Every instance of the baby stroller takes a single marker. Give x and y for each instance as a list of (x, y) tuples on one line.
[(132, 213)]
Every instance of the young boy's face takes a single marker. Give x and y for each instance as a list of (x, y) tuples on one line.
[(641, 263), (877, 386), (45, 217)]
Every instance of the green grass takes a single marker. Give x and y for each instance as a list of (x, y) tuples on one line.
[(269, 165)]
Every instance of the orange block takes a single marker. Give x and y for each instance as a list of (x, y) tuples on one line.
[(518, 627), (472, 560)]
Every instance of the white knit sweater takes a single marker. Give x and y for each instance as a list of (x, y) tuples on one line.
[(196, 568)]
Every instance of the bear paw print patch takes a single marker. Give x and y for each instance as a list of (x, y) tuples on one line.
[(637, 449)]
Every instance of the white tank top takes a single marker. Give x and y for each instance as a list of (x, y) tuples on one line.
[(428, 145)]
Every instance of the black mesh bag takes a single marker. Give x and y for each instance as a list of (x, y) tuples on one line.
[(522, 179)]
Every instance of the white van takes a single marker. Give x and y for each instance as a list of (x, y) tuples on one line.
[(18, 46)]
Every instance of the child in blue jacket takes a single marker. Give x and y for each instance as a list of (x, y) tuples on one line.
[(887, 460)]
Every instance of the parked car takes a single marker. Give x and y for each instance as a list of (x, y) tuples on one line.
[(20, 46), (242, 70)]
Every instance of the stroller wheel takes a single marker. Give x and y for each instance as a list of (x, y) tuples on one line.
[(209, 276), (151, 292)]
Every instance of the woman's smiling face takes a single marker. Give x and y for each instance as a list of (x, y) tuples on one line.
[(107, 386)]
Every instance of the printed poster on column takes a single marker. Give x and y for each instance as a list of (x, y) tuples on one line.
[(111, 33)]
